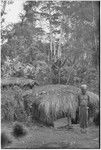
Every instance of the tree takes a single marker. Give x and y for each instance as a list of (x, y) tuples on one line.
[(63, 34), (4, 30)]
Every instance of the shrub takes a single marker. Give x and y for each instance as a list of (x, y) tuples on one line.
[(18, 130), (97, 119), (12, 106)]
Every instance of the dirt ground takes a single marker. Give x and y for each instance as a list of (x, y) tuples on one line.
[(44, 137)]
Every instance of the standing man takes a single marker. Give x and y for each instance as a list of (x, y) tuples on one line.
[(83, 103)]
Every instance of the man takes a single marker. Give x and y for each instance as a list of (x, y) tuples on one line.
[(83, 103)]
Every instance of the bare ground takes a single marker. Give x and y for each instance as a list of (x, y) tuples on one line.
[(44, 137)]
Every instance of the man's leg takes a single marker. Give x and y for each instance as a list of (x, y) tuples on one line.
[(69, 122), (86, 122)]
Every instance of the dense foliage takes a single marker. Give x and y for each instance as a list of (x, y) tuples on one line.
[(55, 42)]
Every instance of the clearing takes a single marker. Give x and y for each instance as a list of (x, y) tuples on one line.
[(44, 137)]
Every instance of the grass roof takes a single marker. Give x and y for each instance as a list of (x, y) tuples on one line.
[(53, 101), (17, 81)]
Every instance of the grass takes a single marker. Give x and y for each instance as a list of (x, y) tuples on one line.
[(43, 137)]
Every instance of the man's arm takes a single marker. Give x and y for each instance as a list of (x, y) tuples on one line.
[(78, 103), (88, 102)]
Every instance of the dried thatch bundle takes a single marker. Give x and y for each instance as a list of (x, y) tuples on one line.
[(53, 101), (49, 107)]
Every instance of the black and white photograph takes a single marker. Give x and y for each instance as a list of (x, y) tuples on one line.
[(50, 74)]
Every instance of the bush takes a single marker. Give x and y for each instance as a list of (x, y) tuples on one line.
[(12, 106), (19, 130), (97, 119)]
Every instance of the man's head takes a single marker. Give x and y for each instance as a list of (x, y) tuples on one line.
[(83, 88)]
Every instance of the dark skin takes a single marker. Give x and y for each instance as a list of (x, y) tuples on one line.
[(83, 92)]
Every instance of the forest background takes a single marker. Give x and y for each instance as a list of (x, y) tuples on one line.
[(54, 42)]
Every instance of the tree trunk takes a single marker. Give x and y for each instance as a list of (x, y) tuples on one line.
[(59, 75), (61, 34), (59, 48), (51, 43), (72, 68), (70, 74), (54, 50), (50, 26), (95, 40)]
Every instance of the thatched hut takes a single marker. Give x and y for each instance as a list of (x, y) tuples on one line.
[(51, 102), (51, 107)]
